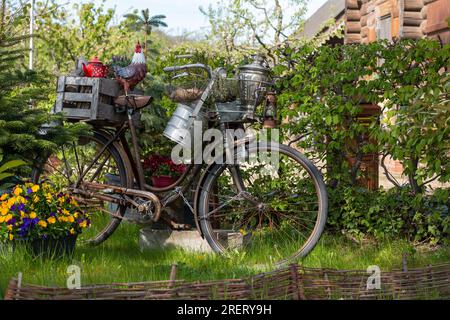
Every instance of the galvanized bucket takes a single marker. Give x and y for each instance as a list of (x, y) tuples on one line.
[(180, 129)]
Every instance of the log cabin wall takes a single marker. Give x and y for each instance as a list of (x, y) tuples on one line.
[(436, 13), (369, 20)]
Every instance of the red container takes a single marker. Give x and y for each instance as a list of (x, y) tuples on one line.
[(95, 69), (163, 181)]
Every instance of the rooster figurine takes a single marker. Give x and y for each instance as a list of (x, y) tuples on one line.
[(131, 75)]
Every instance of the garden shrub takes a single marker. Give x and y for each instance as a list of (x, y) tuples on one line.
[(393, 213), (322, 93)]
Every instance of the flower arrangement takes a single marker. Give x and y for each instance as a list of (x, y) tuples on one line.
[(160, 166), (33, 212)]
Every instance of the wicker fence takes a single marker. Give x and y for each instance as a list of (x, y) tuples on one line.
[(293, 282)]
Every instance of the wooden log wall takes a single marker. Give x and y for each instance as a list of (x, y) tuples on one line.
[(352, 21), (435, 14), (414, 18), (408, 18)]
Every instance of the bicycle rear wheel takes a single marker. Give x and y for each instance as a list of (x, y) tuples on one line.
[(64, 168), (272, 206)]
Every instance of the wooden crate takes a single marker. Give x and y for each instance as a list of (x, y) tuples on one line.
[(90, 100)]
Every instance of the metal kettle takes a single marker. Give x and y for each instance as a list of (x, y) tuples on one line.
[(254, 81)]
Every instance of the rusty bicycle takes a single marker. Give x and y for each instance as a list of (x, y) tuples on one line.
[(267, 199)]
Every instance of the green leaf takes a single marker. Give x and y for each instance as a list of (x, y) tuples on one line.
[(12, 164), (5, 175)]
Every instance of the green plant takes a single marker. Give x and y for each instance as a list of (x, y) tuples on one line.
[(163, 166), (145, 23), (324, 88), (21, 93), (389, 214), (5, 173)]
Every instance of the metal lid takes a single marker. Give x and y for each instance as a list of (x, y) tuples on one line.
[(258, 64)]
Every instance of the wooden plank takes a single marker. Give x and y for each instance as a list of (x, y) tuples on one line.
[(59, 102), (78, 97), (353, 27), (438, 13), (80, 81), (61, 84), (412, 21), (95, 99), (413, 15), (363, 20), (424, 12), (411, 32), (364, 9), (413, 5), (372, 35), (109, 87), (353, 38), (351, 4), (395, 29), (364, 32), (385, 9), (353, 15), (82, 114)]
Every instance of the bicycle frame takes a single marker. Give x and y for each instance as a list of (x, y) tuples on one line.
[(161, 196)]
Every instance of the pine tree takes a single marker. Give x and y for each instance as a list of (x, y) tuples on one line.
[(21, 89)]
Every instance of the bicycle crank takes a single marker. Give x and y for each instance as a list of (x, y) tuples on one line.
[(148, 204)]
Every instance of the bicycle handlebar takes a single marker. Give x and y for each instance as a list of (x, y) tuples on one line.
[(189, 66)]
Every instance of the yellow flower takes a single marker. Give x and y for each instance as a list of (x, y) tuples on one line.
[(75, 215), (51, 220), (8, 217), (3, 197), (18, 191), (83, 224), (71, 219), (49, 197), (2, 219), (36, 199), (10, 227), (65, 212), (11, 202), (72, 231), (43, 224), (4, 211), (22, 214), (35, 188), (33, 215), (11, 237), (73, 201)]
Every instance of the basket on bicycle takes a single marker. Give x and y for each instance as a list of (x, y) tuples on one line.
[(188, 87)]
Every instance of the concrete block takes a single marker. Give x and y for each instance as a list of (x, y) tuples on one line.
[(161, 239)]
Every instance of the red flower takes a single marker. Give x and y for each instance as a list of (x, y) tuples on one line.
[(163, 166)]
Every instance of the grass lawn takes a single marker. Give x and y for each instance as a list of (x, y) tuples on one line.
[(120, 260)]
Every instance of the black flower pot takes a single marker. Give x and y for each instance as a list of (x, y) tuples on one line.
[(53, 248)]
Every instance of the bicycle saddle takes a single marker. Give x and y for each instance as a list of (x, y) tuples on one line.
[(133, 101)]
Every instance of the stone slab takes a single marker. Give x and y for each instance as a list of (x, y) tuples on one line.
[(151, 239)]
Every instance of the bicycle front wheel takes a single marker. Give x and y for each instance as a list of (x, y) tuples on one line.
[(74, 164), (271, 206)]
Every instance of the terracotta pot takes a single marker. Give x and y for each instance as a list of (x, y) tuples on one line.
[(163, 181)]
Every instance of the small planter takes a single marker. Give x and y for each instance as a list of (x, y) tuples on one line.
[(163, 181), (46, 248), (52, 248)]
